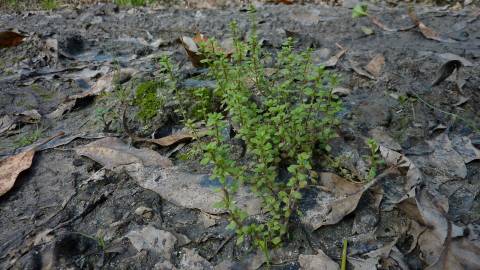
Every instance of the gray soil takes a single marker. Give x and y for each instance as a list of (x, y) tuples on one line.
[(55, 194)]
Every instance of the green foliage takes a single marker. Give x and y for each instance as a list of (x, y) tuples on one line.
[(28, 139), (374, 158), (134, 3), (149, 99), (360, 10), (284, 119), (49, 4)]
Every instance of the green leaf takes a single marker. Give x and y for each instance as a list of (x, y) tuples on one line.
[(240, 239), (367, 30), (277, 240), (360, 10)]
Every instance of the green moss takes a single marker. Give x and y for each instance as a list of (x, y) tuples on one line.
[(148, 100)]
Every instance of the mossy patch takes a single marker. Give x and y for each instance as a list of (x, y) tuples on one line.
[(149, 100)]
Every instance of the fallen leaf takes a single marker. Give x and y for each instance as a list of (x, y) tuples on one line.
[(430, 210), (153, 240), (10, 39), (395, 159), (451, 56), (192, 50), (11, 167), (446, 70), (464, 147), (319, 261), (360, 71), (375, 66), (382, 26), (103, 84), (427, 32), (445, 160), (332, 62), (337, 199), (458, 254), (157, 173)]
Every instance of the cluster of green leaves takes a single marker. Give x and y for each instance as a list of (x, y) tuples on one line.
[(49, 4), (134, 3), (284, 119)]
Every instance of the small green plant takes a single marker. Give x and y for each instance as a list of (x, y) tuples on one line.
[(374, 158), (133, 3), (29, 139), (49, 4), (360, 10), (284, 120)]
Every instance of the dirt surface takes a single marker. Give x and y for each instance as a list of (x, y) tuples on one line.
[(69, 212)]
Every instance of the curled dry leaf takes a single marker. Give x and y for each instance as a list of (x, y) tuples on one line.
[(10, 39), (426, 31), (192, 50), (11, 167), (332, 62), (382, 26), (446, 70), (157, 173), (360, 71), (192, 47), (320, 261)]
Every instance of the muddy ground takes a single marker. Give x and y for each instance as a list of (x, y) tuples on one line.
[(68, 212)]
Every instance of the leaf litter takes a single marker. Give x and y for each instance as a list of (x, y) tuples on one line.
[(410, 167)]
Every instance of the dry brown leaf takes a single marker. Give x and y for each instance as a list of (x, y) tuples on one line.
[(10, 39), (337, 199), (360, 71), (382, 26), (332, 62), (177, 137), (11, 167), (375, 66), (426, 31), (430, 211), (192, 50)]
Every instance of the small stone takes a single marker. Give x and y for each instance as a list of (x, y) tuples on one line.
[(144, 212)]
